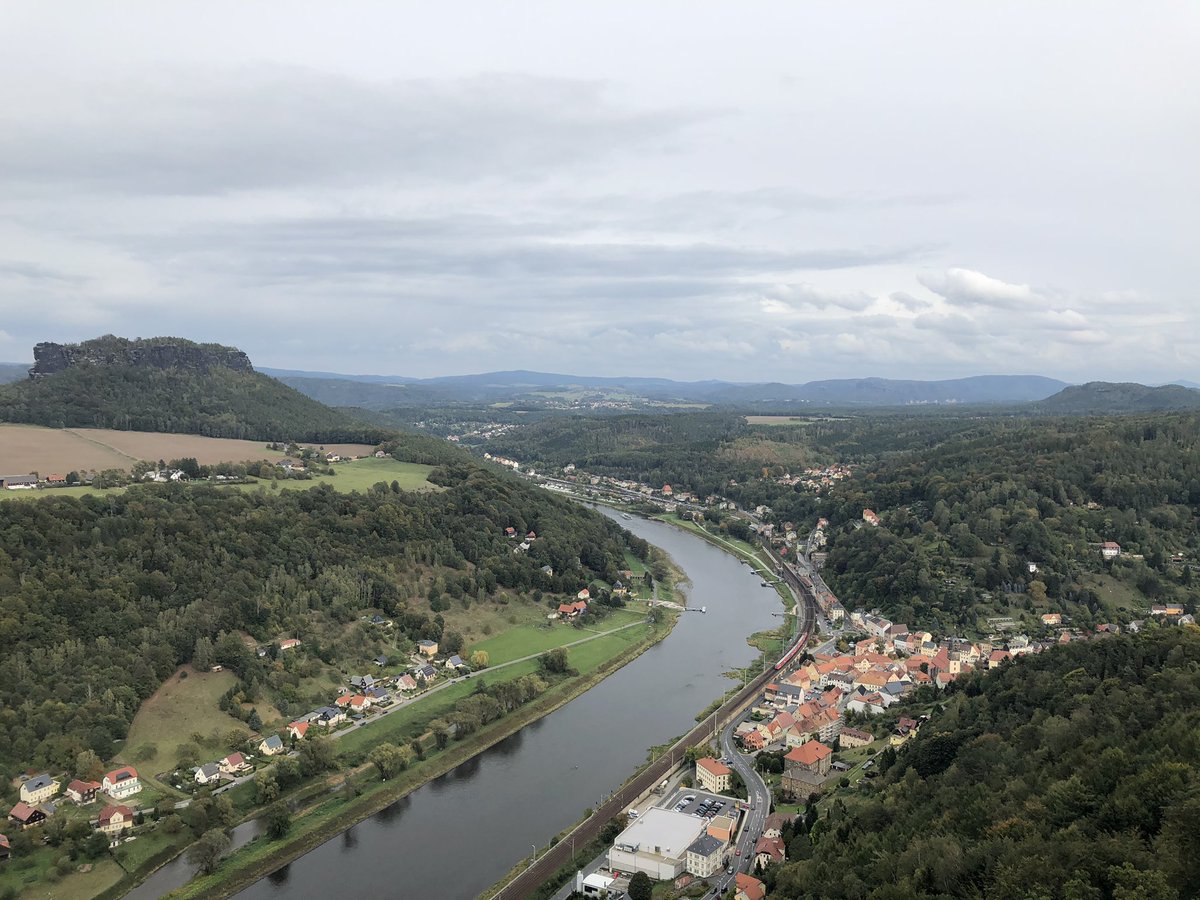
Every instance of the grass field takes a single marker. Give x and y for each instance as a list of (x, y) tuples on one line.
[(176, 711), (526, 639), (31, 448), (357, 475), (76, 886)]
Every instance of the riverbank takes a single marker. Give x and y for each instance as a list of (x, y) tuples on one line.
[(360, 794)]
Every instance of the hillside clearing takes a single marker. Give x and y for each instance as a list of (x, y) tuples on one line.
[(177, 710)]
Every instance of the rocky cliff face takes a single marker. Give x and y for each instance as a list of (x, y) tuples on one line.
[(151, 353)]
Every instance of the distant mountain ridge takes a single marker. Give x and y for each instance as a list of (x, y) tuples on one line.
[(381, 392), (169, 385)]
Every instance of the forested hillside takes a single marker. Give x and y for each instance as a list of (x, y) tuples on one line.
[(101, 598), (1070, 775), (965, 518), (170, 385)]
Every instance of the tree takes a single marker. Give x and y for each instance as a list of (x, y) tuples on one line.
[(279, 820), (641, 887), (389, 759), (255, 721), (480, 659), (206, 853), (202, 654), (88, 765), (316, 755), (555, 661), (266, 788)]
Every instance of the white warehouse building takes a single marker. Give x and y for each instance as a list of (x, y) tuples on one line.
[(656, 844)]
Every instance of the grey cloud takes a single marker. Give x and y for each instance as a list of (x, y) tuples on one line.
[(201, 132)]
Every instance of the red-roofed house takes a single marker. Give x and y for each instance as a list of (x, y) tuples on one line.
[(870, 517), (813, 757), (749, 888), (289, 643), (115, 819), (26, 816), (1110, 549), (234, 764), (769, 850), (712, 775), (997, 657), (83, 791), (121, 783), (298, 730)]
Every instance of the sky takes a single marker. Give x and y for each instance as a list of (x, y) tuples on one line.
[(750, 192)]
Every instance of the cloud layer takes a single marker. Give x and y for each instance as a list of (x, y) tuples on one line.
[(576, 197)]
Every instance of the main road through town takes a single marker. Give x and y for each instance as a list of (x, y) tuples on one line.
[(458, 834)]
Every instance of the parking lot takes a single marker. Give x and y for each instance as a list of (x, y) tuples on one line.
[(701, 803)]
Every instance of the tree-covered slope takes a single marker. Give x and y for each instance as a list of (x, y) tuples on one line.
[(102, 597), (1073, 775), (169, 385), (1103, 397)]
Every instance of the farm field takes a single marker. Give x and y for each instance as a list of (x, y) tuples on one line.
[(358, 475), (526, 639), (177, 710), (32, 448)]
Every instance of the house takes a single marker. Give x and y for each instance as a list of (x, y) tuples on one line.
[(362, 682), (852, 737), (584, 595), (298, 730), (747, 887), (455, 662), (713, 776), (121, 783), (427, 648), (235, 764), (996, 657), (19, 482), (1052, 619), (548, 570), (426, 673), (380, 622), (769, 850), (83, 791), (806, 767), (510, 532), (5, 848), (289, 643), (667, 490), (26, 816), (329, 716), (870, 517), (705, 856), (531, 536), (207, 773), (114, 819), (39, 788), (1110, 550), (406, 683), (722, 828), (380, 661), (271, 746), (773, 826), (1166, 609)]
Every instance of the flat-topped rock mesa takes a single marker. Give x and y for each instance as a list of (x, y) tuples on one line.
[(149, 353)]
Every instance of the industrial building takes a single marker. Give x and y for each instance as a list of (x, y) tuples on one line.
[(656, 844)]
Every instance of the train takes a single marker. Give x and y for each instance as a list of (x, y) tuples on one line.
[(791, 654)]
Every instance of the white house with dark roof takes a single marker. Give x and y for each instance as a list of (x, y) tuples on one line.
[(39, 789), (121, 783)]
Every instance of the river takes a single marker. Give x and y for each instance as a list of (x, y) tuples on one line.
[(459, 833)]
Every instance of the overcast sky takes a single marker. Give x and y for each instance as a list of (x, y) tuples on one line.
[(767, 191)]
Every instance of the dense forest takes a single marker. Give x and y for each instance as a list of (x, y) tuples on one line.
[(171, 386), (966, 517), (102, 597), (1070, 775)]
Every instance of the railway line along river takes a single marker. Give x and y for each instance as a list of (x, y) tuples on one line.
[(455, 836)]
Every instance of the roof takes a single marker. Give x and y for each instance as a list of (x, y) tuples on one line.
[(809, 753), (857, 735), (209, 770), (750, 886), (108, 812), (37, 782), (713, 766), (776, 821), (705, 845), (273, 741), (671, 831), (83, 787), (299, 727), (426, 643), (122, 774), (235, 759), (22, 812), (773, 847)]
